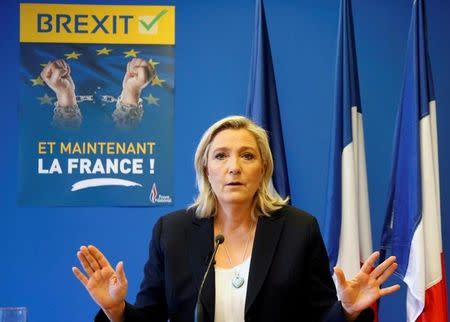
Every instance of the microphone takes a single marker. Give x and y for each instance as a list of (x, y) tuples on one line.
[(198, 314)]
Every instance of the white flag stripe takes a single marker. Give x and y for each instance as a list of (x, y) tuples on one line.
[(365, 231), (435, 148), (415, 276), (430, 205), (355, 243), (348, 256)]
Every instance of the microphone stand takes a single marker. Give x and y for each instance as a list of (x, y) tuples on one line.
[(198, 314)]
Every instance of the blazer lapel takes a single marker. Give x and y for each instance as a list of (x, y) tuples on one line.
[(266, 239), (201, 247)]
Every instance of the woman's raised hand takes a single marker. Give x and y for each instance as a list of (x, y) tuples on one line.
[(108, 287), (365, 288)]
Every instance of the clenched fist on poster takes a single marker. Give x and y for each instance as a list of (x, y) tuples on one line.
[(56, 75), (138, 75)]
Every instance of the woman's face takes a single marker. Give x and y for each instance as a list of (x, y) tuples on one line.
[(234, 168)]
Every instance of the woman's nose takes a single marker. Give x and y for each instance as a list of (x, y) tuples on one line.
[(234, 166)]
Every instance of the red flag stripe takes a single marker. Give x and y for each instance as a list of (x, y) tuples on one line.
[(436, 309)]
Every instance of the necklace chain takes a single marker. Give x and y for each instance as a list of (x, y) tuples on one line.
[(245, 250), (237, 281)]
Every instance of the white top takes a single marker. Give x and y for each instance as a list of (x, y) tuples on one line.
[(230, 301)]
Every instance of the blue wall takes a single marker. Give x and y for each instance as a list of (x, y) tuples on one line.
[(213, 43)]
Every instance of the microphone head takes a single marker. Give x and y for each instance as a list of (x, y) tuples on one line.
[(219, 239)]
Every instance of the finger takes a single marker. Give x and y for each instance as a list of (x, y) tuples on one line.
[(340, 276), (99, 257), (141, 62), (389, 290), (370, 262), (121, 273), (135, 66), (130, 70), (141, 75), (65, 67), (91, 258), (51, 69), (147, 72), (68, 68), (46, 72), (55, 73), (383, 266), (387, 273), (151, 71), (44, 75), (81, 277), (85, 263), (60, 63), (64, 64)]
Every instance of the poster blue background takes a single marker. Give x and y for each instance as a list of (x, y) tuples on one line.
[(213, 44)]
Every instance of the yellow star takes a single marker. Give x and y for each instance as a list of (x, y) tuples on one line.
[(104, 51), (131, 53), (46, 99), (151, 100), (153, 63), (157, 82), (37, 81), (72, 55)]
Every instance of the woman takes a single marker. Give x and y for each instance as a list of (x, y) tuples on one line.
[(272, 266)]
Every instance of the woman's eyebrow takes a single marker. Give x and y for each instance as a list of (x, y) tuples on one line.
[(241, 148), (248, 148), (220, 148)]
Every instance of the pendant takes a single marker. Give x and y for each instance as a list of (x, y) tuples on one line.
[(237, 281)]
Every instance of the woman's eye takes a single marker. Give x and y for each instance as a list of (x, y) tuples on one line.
[(219, 156), (248, 156)]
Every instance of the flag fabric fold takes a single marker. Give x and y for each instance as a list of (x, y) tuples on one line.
[(347, 232), (412, 227), (262, 101)]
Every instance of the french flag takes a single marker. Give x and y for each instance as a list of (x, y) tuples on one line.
[(412, 227), (262, 100), (347, 233)]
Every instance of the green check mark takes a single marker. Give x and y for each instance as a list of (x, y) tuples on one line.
[(149, 26)]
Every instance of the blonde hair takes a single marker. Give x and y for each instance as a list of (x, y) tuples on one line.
[(266, 198)]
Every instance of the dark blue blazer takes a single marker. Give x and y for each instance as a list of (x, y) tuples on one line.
[(289, 278)]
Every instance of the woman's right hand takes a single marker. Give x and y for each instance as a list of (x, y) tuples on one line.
[(108, 287)]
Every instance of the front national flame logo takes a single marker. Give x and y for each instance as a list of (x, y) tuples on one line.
[(156, 197), (153, 193)]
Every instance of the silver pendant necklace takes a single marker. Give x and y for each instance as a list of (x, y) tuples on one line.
[(237, 281)]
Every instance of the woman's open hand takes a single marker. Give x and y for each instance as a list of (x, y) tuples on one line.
[(108, 287), (364, 289)]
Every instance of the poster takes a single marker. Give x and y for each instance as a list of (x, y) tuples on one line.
[(96, 105)]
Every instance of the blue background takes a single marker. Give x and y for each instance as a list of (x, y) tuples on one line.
[(212, 58)]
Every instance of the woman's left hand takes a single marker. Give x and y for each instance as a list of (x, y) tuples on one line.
[(364, 289)]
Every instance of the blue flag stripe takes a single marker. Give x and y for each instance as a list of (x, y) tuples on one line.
[(262, 101), (351, 59)]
